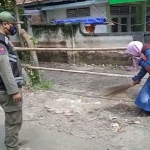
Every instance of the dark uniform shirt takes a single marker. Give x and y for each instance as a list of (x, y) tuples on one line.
[(6, 73)]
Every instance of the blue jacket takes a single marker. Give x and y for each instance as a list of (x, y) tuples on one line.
[(144, 64)]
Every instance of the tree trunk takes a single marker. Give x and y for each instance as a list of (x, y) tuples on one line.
[(24, 38), (18, 26), (29, 42)]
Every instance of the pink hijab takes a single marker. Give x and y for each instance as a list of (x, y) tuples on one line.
[(134, 48)]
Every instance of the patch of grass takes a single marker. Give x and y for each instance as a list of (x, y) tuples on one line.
[(43, 85)]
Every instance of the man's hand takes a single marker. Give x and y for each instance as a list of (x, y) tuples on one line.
[(134, 83), (17, 97)]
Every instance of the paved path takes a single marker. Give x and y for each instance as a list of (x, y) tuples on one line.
[(43, 139)]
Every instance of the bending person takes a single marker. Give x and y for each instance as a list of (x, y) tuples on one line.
[(141, 54)]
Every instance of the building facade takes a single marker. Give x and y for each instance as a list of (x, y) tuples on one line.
[(128, 15), (131, 19)]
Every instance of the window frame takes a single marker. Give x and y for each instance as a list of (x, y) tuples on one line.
[(132, 9), (78, 14)]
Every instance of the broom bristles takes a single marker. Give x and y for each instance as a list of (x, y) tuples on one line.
[(117, 89)]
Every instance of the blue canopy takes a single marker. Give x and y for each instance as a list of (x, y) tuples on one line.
[(81, 20)]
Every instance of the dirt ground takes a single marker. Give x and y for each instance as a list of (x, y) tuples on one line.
[(76, 105)]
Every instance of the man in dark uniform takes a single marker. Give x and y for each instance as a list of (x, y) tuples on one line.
[(11, 81)]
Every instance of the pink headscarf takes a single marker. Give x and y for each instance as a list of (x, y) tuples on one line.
[(134, 48)]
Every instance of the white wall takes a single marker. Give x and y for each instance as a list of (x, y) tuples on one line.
[(94, 13), (14, 38), (61, 14), (102, 41), (56, 14)]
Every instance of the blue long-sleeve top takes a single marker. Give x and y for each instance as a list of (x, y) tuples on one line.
[(144, 64)]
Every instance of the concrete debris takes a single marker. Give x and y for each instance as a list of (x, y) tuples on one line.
[(65, 112), (68, 114), (97, 103), (116, 127), (132, 121), (112, 118)]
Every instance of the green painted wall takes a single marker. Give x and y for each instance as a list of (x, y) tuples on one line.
[(124, 1)]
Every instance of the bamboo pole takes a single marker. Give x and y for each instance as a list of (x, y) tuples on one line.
[(70, 49), (76, 71)]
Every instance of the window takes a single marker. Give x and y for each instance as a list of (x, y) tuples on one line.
[(124, 22), (133, 9), (147, 22), (120, 24), (114, 10), (133, 21), (78, 12), (119, 10), (147, 18), (147, 9), (115, 26), (124, 10), (126, 17)]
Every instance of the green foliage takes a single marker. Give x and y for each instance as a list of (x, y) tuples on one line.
[(43, 85), (33, 40), (8, 5), (33, 81), (33, 77)]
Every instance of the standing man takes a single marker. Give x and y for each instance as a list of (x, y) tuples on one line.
[(11, 81)]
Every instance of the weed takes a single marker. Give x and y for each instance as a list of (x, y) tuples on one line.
[(33, 81), (43, 85)]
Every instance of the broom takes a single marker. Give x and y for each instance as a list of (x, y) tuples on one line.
[(120, 89)]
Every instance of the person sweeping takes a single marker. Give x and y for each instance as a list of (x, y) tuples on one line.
[(140, 53)]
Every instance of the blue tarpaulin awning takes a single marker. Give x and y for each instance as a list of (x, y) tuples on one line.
[(71, 5), (82, 20)]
